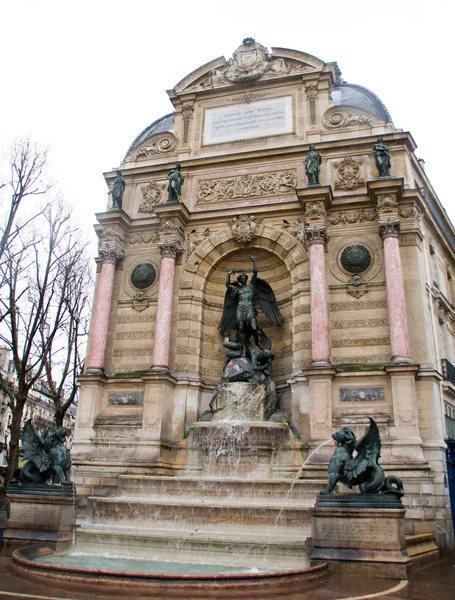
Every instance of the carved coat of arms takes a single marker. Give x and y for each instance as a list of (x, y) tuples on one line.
[(250, 61), (244, 228)]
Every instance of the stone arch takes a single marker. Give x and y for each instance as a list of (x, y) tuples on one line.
[(199, 313)]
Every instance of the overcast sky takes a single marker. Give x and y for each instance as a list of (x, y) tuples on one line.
[(86, 77)]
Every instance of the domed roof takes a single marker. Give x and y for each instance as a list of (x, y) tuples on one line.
[(161, 125), (349, 94)]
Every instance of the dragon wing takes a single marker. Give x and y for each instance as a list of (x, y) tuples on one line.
[(368, 452), (33, 446), (265, 297), (229, 316)]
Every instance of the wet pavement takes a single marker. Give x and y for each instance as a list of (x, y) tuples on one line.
[(435, 581)]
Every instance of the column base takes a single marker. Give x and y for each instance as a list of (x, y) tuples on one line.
[(401, 360), (320, 364), (94, 371), (159, 369)]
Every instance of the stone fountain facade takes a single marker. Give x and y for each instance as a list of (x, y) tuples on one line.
[(362, 269)]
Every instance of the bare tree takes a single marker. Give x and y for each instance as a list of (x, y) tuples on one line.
[(41, 272), (27, 162)]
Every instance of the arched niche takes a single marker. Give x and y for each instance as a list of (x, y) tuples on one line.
[(281, 261)]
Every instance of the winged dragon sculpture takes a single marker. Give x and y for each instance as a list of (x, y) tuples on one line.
[(363, 468), (46, 456), (240, 313)]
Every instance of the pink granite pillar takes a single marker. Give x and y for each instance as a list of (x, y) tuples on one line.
[(160, 359), (320, 341), (398, 323), (98, 339)]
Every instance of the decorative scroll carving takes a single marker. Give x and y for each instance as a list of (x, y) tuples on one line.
[(349, 176), (342, 218), (170, 226), (140, 302), (407, 212), (244, 228), (369, 305), (389, 228), (161, 143), (311, 90), (246, 186), (111, 254), (356, 286), (316, 235), (315, 210), (112, 233), (143, 237), (194, 239), (187, 112), (134, 351), (337, 118), (387, 203), (382, 340), (151, 194)]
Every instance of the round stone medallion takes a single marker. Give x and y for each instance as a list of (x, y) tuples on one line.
[(356, 258), (143, 275)]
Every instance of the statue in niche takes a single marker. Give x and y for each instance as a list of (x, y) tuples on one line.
[(174, 188), (117, 192), (363, 469), (382, 158), (248, 362), (313, 162)]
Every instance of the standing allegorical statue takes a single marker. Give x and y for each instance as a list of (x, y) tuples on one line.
[(382, 158), (174, 188), (117, 192), (313, 162), (239, 313)]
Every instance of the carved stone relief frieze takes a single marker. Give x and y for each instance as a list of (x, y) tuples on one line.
[(408, 212), (152, 194), (315, 210), (141, 237), (170, 226), (349, 174), (161, 143), (111, 233), (387, 203), (246, 186), (244, 228)]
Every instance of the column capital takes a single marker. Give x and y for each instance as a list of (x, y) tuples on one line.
[(389, 228), (316, 234), (170, 249), (110, 253)]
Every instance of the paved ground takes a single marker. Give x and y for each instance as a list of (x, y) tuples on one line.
[(434, 582)]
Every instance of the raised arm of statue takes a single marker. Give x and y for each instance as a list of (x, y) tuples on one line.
[(255, 270), (228, 278)]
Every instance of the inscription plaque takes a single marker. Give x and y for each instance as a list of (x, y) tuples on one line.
[(364, 394), (246, 121), (370, 532), (126, 399)]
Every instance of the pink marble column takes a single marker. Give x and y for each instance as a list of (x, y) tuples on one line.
[(160, 359), (100, 328), (398, 323), (320, 341)]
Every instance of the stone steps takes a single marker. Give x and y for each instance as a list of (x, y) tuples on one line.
[(278, 489), (251, 547)]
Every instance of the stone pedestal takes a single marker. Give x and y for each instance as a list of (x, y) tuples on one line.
[(361, 534), (41, 514), (241, 401)]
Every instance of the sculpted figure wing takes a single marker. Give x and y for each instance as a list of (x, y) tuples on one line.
[(229, 309), (368, 452), (33, 445), (265, 297)]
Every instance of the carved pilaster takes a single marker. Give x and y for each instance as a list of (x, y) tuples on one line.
[(311, 90), (187, 112), (316, 235), (389, 228), (316, 203)]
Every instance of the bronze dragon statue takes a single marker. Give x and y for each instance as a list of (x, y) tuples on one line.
[(363, 469)]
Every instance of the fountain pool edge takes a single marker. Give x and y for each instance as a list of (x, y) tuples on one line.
[(24, 563)]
